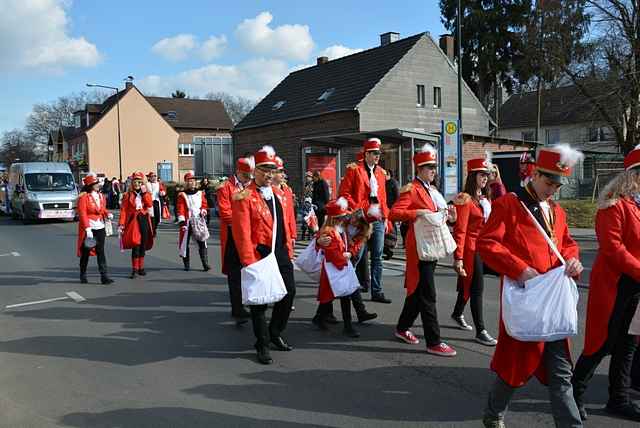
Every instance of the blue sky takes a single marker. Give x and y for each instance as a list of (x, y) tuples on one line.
[(52, 48)]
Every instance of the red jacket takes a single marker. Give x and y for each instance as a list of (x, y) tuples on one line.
[(333, 253), (128, 219), (88, 210), (509, 243), (224, 194), (413, 197), (292, 223), (355, 188), (252, 223), (618, 232), (465, 232)]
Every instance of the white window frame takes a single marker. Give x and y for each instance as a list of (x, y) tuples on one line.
[(186, 149), (437, 97), (421, 101)]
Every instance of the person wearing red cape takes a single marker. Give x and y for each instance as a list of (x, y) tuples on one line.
[(92, 214), (136, 230), (192, 207), (614, 292), (512, 245)]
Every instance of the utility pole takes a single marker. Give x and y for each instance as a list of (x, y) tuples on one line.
[(459, 95), (540, 8)]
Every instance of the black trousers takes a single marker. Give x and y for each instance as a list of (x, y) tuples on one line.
[(99, 235), (281, 310), (619, 344), (157, 212), (202, 249), (325, 309), (475, 295), (232, 261), (423, 302), (145, 232)]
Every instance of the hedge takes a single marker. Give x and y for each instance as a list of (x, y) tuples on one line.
[(580, 213)]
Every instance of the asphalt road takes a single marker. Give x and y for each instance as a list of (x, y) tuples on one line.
[(162, 351)]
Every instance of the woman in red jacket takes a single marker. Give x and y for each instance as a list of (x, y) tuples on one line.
[(614, 291), (136, 232), (92, 213), (473, 207)]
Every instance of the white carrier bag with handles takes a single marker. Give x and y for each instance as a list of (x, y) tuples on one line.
[(433, 239), (634, 327), (310, 261), (261, 282), (343, 281), (546, 308)]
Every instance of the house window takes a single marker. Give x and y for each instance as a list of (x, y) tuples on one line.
[(420, 101), (437, 97), (171, 115), (76, 120), (528, 135), (325, 95), (598, 134), (278, 105), (185, 149), (552, 136)]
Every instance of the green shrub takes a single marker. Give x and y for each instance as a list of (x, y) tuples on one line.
[(580, 213)]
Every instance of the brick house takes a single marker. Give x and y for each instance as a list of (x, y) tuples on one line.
[(400, 91)]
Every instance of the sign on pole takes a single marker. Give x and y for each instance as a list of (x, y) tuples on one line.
[(450, 157)]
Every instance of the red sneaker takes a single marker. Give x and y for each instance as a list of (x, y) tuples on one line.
[(407, 337), (442, 350)]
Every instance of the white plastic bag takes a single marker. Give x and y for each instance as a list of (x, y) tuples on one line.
[(545, 310), (108, 227), (310, 260), (433, 238), (343, 281), (634, 327)]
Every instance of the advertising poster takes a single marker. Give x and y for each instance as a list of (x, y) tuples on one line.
[(450, 156), (326, 164)]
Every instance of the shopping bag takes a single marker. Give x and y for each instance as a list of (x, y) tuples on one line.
[(166, 215), (199, 228), (544, 310), (310, 260), (634, 327), (433, 238), (108, 227), (343, 281), (262, 283)]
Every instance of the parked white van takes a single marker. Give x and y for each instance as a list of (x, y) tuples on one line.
[(42, 190)]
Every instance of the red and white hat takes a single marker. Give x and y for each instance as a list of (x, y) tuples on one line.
[(426, 156), (527, 157), (279, 163), (558, 160), (266, 156), (90, 179), (360, 156), (372, 144), (138, 175), (632, 160), (245, 165), (151, 174), (337, 207), (189, 176), (478, 165)]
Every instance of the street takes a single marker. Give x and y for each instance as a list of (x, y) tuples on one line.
[(163, 351)]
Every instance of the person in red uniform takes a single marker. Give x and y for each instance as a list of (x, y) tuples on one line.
[(92, 213), (192, 206), (363, 186), (511, 244), (614, 291), (473, 207), (135, 230), (231, 265), (416, 199), (527, 167), (158, 192), (252, 228), (279, 181)]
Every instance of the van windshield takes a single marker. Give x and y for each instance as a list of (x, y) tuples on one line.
[(47, 181)]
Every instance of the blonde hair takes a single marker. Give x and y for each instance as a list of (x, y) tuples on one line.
[(625, 184)]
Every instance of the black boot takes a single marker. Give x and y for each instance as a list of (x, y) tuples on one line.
[(84, 262), (105, 280), (264, 357), (83, 278), (204, 258), (345, 305), (185, 261), (319, 322)]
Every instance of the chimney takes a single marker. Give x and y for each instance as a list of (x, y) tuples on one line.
[(389, 37), (128, 85), (447, 44), (322, 60)]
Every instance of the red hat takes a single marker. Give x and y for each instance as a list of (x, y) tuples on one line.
[(279, 163), (337, 207), (632, 159), (478, 165), (427, 156), (558, 160), (188, 176), (266, 156), (245, 165), (372, 144), (359, 156), (90, 180), (151, 174), (138, 175)]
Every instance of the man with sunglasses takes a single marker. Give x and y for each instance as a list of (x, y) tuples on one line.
[(252, 228), (363, 186), (512, 245)]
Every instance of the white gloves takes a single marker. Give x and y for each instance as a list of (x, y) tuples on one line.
[(110, 216), (203, 212), (89, 232)]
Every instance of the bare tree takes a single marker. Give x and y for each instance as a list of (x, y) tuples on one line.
[(237, 107), (17, 146), (179, 94)]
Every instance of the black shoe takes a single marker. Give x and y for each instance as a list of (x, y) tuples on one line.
[(351, 332), (133, 274), (105, 280), (331, 319), (142, 272), (366, 316), (263, 356), (583, 412), (280, 344), (364, 289), (380, 298), (627, 410), (206, 268), (83, 279), (388, 255), (241, 314), (319, 322)]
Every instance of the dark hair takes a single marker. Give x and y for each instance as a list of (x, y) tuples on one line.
[(471, 186), (88, 188)]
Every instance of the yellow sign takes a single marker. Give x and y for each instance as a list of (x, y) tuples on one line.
[(451, 128)]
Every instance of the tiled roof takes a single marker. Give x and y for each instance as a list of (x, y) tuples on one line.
[(344, 82), (188, 113)]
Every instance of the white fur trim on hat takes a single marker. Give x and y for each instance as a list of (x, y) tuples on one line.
[(568, 155), (428, 148), (269, 150), (342, 203)]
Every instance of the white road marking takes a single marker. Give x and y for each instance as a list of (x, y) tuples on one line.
[(13, 254), (69, 295)]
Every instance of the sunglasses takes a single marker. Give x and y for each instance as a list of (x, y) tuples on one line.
[(269, 171), (374, 152)]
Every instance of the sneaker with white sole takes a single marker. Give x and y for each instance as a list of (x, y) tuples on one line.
[(442, 350), (407, 337), (461, 323), (485, 338)]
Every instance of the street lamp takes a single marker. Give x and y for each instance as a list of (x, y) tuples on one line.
[(91, 85)]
